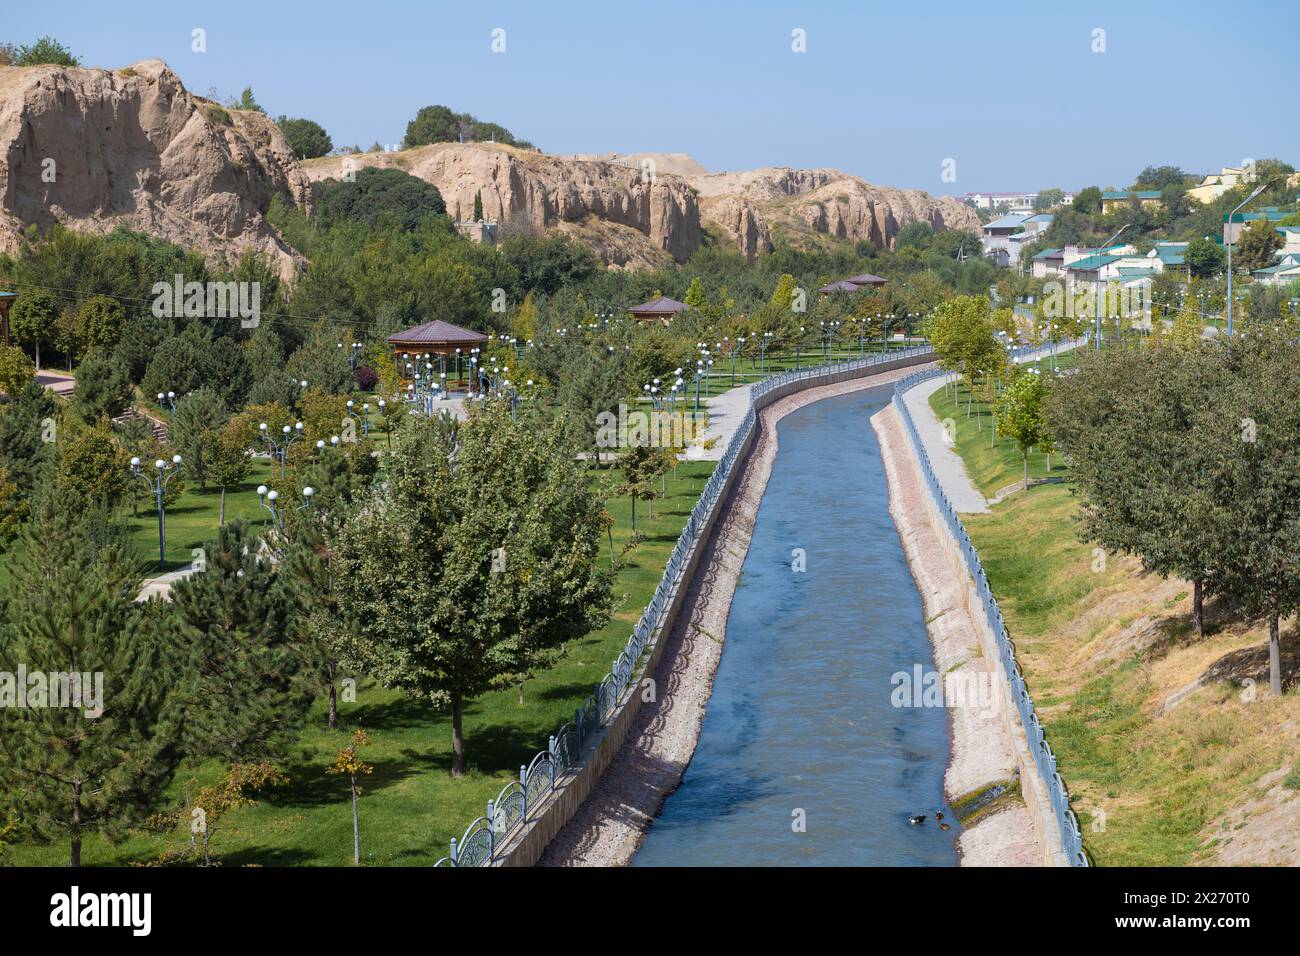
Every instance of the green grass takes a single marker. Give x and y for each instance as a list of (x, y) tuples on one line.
[(192, 520), (1161, 778), (992, 462), (411, 806)]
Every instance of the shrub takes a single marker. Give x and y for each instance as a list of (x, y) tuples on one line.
[(366, 378)]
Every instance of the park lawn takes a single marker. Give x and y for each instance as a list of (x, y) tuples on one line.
[(192, 520), (1101, 651), (992, 462), (411, 807)]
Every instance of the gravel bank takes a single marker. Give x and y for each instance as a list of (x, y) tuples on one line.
[(982, 749)]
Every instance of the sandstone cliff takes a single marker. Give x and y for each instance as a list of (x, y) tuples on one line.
[(658, 215), (94, 149), (638, 209), (803, 206)]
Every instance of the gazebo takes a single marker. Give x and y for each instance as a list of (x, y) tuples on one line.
[(451, 343), (853, 284), (662, 308)]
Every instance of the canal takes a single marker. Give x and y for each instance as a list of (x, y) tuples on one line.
[(800, 726)]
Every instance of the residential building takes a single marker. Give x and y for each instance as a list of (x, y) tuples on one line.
[(1242, 220), (1290, 239), (1215, 185), (1047, 263), (997, 241), (1287, 270), (1114, 198)]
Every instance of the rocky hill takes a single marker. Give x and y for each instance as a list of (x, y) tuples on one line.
[(640, 209), (94, 149)]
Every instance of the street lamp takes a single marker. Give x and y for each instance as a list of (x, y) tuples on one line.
[(1258, 189), (1098, 282), (158, 488), (280, 449), (267, 498), (169, 398)]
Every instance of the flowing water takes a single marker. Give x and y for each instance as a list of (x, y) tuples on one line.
[(801, 724)]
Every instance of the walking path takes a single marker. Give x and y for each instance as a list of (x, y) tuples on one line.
[(948, 465)]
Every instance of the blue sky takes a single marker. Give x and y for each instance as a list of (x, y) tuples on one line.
[(1011, 91)]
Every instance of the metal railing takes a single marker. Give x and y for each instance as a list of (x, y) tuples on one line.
[(518, 801), (1044, 759)]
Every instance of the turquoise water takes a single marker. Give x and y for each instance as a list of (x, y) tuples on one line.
[(801, 719)]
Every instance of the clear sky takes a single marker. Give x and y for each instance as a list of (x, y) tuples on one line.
[(1012, 91)]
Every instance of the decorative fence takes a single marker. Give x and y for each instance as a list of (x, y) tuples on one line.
[(519, 800), (1071, 838)]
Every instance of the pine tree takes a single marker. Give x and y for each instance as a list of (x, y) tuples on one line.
[(101, 765), (247, 689), (478, 206)]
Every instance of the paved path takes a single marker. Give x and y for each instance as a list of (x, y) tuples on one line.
[(161, 586), (947, 464), (726, 412)]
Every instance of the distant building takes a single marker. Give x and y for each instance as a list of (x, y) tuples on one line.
[(1114, 198), (1215, 185), (1287, 270), (998, 241), (1000, 201), (1232, 230), (478, 231)]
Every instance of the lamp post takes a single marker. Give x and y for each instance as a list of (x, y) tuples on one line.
[(798, 345), (740, 344), (1098, 283), (158, 488), (280, 448), (1254, 195), (169, 398), (266, 498)]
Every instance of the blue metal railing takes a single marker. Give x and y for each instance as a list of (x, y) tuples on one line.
[(1044, 759), (518, 802)]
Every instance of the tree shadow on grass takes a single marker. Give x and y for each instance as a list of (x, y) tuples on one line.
[(574, 691), (266, 856), (310, 785)]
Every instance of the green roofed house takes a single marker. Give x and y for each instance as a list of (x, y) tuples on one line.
[(1242, 220), (1287, 270), (1049, 262)]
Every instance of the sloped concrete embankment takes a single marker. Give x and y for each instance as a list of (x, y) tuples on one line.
[(989, 744)]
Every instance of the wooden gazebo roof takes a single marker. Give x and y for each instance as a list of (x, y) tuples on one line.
[(436, 334), (852, 283), (659, 308)]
